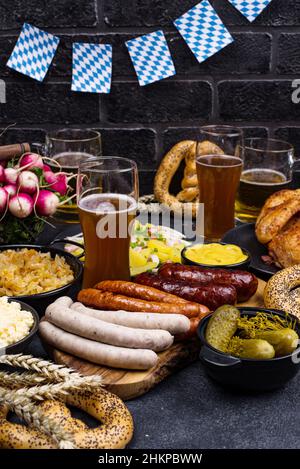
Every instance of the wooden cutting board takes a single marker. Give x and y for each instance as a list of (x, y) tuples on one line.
[(130, 384)]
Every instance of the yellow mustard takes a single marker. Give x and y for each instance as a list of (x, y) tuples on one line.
[(215, 254)]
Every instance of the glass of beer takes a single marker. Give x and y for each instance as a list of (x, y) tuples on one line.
[(107, 195), (67, 147), (219, 165), (268, 168)]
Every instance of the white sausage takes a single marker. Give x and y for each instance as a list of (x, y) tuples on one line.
[(174, 323), (95, 352), (95, 329), (65, 301)]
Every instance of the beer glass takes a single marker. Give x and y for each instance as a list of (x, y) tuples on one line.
[(268, 168), (107, 195), (219, 165), (68, 147)]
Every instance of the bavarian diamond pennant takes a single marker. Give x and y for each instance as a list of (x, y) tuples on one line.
[(33, 52), (151, 57), (250, 8), (203, 31), (92, 67)]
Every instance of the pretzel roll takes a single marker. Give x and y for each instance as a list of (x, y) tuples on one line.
[(115, 431)]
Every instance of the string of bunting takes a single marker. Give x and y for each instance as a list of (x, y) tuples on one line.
[(201, 28)]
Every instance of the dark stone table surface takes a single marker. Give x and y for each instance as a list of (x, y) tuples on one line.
[(190, 411)]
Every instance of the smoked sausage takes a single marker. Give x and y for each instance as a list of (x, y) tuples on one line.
[(244, 282), (211, 296), (107, 300), (138, 291)]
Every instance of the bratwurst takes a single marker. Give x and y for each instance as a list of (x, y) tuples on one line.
[(107, 300), (138, 291), (244, 282), (211, 296)]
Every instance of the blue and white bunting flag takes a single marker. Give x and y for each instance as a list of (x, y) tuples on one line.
[(250, 8), (151, 57), (33, 52), (92, 67), (203, 31)]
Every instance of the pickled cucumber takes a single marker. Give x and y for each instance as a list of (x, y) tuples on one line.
[(255, 349), (222, 326), (284, 341)]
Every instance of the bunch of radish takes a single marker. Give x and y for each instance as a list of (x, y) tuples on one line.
[(31, 188)]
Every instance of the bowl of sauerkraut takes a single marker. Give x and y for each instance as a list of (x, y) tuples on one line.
[(38, 275)]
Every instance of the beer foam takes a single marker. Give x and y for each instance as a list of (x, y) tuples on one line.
[(101, 203), (261, 172)]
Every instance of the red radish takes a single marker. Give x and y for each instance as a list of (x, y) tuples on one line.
[(11, 175), (28, 182), (3, 164), (2, 174), (21, 205), (31, 160), (57, 181), (46, 168), (11, 189), (3, 199), (46, 203)]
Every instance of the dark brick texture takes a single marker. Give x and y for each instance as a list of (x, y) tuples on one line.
[(249, 83)]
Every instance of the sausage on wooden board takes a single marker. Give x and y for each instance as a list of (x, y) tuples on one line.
[(107, 300), (211, 296), (95, 352), (174, 323), (141, 292), (244, 282), (113, 334)]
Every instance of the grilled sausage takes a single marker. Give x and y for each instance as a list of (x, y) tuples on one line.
[(244, 282), (141, 292), (211, 296), (107, 300)]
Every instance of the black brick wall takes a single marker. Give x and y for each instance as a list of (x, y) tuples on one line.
[(248, 83)]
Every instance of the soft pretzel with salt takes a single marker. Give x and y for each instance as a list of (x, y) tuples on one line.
[(115, 432)]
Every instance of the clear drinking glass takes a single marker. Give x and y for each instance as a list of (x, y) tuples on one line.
[(219, 165), (107, 195), (268, 168), (68, 147)]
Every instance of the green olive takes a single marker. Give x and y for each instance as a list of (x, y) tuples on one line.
[(284, 341), (222, 326), (255, 349)]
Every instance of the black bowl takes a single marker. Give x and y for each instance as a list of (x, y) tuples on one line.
[(244, 265), (40, 301), (18, 347), (245, 374)]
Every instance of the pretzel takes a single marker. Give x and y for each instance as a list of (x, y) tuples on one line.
[(115, 432), (185, 150)]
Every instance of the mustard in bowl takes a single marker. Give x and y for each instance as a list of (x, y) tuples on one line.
[(217, 255)]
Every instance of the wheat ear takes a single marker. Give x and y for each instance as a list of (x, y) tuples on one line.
[(47, 369), (29, 413), (19, 380), (50, 370), (56, 390)]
